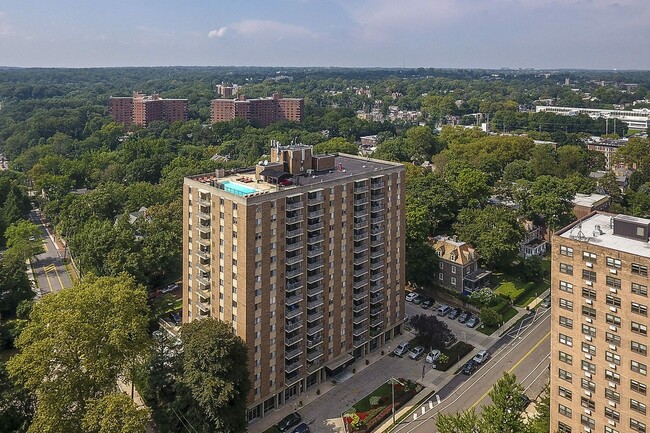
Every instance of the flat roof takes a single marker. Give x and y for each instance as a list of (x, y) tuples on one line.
[(597, 229), (588, 200)]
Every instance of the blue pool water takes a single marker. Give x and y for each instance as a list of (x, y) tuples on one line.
[(237, 189)]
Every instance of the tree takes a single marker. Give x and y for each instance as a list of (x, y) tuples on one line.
[(431, 331), (393, 149), (77, 344), (490, 317), (14, 284), (463, 422), (215, 372), (421, 143), (504, 414), (16, 405), (471, 186), (541, 423), (115, 413), (24, 238), (337, 145), (547, 199)]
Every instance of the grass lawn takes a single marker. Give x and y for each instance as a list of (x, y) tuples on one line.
[(507, 314), (455, 353), (521, 292)]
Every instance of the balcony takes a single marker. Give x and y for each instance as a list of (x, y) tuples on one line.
[(359, 330), (360, 272), (315, 290), (360, 211), (377, 185), (377, 208), (291, 378), (314, 302), (204, 281), (312, 266), (377, 230), (202, 228), (205, 241), (359, 295), (357, 308), (203, 254), (314, 366), (290, 300), (376, 264), (376, 241), (359, 319), (379, 252), (293, 260), (376, 309), (316, 213), (293, 233), (204, 294), (293, 286), (292, 366), (314, 328), (291, 313), (314, 252), (315, 226), (361, 236), (294, 206), (376, 287), (290, 354), (377, 298), (314, 341), (361, 189), (314, 354), (293, 325), (360, 258), (360, 248), (312, 278), (375, 276), (205, 267), (293, 219), (377, 220), (294, 273), (288, 341), (376, 331), (361, 224), (203, 216), (360, 201), (360, 283), (205, 201), (315, 200), (313, 316), (376, 322), (314, 239), (376, 197), (294, 246), (360, 341), (204, 306)]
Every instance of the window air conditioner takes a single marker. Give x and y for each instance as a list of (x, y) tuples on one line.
[(588, 301), (587, 282), (589, 264)]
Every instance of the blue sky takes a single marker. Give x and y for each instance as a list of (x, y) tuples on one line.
[(598, 34)]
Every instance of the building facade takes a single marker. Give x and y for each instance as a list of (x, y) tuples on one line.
[(143, 109), (304, 255), (458, 267), (635, 119), (261, 112), (599, 330)]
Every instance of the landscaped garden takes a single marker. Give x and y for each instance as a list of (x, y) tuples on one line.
[(374, 408), (452, 355), (522, 292)]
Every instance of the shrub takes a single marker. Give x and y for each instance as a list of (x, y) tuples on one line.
[(483, 297)]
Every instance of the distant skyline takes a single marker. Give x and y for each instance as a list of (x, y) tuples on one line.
[(589, 34)]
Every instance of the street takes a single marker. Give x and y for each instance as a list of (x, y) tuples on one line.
[(49, 271)]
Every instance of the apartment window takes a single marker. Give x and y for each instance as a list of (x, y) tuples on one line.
[(638, 387), (612, 414), (589, 348), (563, 392), (565, 339), (612, 377), (589, 257), (565, 375), (608, 429), (638, 328), (613, 358), (612, 395), (566, 304), (453, 269), (588, 330), (587, 384), (566, 269), (613, 301), (566, 322), (441, 276), (587, 403), (588, 366), (638, 348), (588, 293), (588, 312), (638, 367), (453, 281), (613, 282), (563, 410), (612, 319), (441, 265), (587, 422), (589, 275), (637, 406), (613, 339), (639, 309), (613, 263), (563, 428), (637, 425), (639, 289), (565, 357), (566, 287), (638, 269), (566, 251)]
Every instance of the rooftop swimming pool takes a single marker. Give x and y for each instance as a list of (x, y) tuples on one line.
[(237, 189)]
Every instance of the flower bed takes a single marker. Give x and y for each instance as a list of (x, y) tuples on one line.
[(373, 409)]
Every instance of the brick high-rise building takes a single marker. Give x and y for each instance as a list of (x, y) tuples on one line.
[(143, 109), (261, 112), (304, 255), (599, 330)]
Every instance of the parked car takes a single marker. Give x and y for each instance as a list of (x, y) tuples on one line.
[(289, 421), (418, 299), (401, 349), (470, 367), (449, 340), (411, 296), (433, 356), (482, 356), (302, 428), (443, 310), (170, 288), (454, 313), (546, 302), (416, 352), (427, 303), (472, 322), (464, 316)]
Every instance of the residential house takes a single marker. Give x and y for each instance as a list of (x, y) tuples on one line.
[(458, 267), (533, 243)]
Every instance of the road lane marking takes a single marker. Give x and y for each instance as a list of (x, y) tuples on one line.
[(548, 334), (58, 277), (47, 278)]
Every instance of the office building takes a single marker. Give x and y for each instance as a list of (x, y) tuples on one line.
[(599, 330), (304, 255), (260, 112), (143, 109), (638, 118)]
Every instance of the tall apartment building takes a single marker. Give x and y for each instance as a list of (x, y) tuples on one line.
[(143, 109), (304, 255), (599, 331), (261, 112)]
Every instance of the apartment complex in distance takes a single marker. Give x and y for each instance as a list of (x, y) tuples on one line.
[(304, 255), (599, 330), (261, 112), (142, 109)]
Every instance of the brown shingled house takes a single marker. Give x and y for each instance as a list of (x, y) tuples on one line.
[(458, 265)]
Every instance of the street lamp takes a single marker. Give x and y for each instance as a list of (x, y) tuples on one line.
[(392, 387)]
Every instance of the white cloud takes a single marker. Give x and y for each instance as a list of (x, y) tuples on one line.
[(217, 33), (5, 28), (261, 28)]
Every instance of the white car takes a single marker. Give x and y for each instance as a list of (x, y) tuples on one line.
[(401, 349), (411, 297), (416, 352), (481, 356), (433, 356)]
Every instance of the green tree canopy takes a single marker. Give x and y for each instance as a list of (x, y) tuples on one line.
[(115, 413), (337, 145)]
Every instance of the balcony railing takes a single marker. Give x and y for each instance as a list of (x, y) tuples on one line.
[(293, 233), (376, 253), (376, 309), (360, 258), (312, 355), (360, 248), (376, 185), (294, 246), (376, 197), (290, 300), (360, 283), (377, 208), (376, 322), (312, 317), (294, 285), (288, 341), (314, 277), (377, 220), (377, 287), (203, 228), (314, 328), (361, 236), (315, 200), (292, 366), (205, 267), (360, 189), (360, 201), (313, 252), (315, 290), (205, 202), (315, 213), (315, 226), (205, 281), (294, 206), (294, 273), (290, 354), (294, 259), (377, 230), (314, 341), (314, 239), (312, 266), (376, 264), (360, 272), (376, 242), (206, 242), (290, 314), (359, 330), (203, 215), (315, 302), (360, 341), (204, 294), (293, 219), (359, 319), (359, 307), (204, 306), (293, 325), (376, 276), (360, 224), (359, 295), (377, 298)]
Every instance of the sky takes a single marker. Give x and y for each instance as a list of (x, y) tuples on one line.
[(592, 34)]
